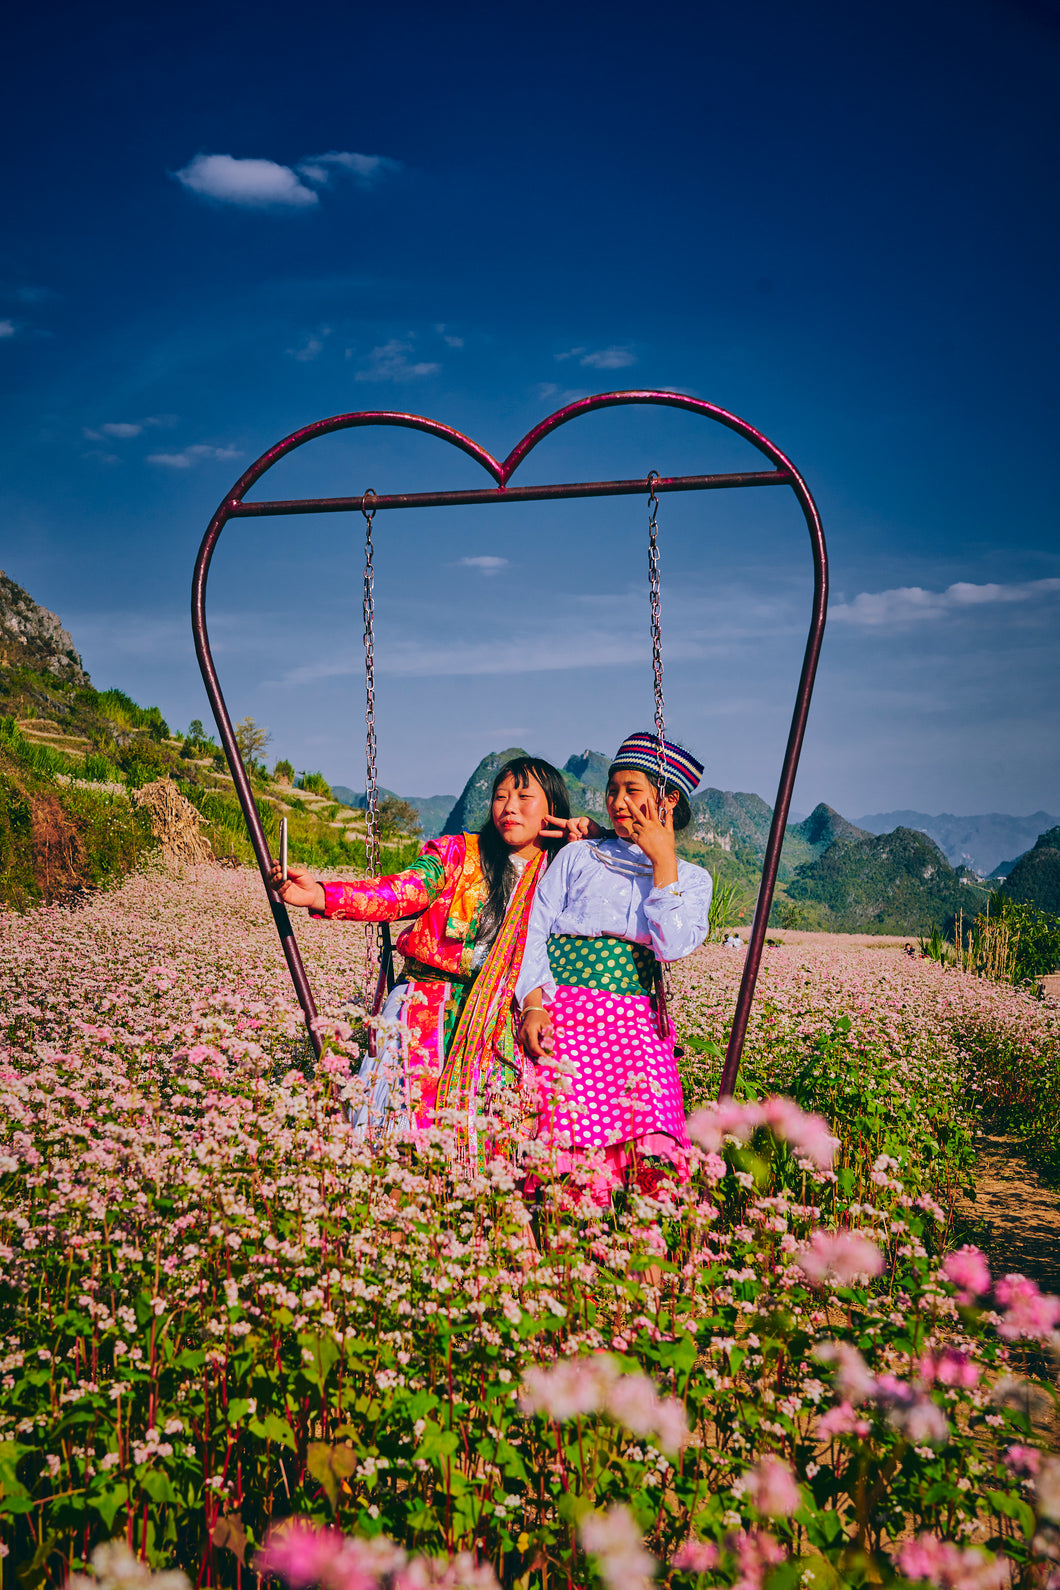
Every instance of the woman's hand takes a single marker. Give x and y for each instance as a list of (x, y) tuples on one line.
[(536, 1033), (301, 887), (655, 836), (570, 828)]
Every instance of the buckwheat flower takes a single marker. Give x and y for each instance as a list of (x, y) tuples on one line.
[(952, 1567), (853, 1379), (841, 1420), (806, 1133), (772, 1488), (968, 1272), (838, 1257), (728, 1119), (1023, 1459), (571, 1387), (695, 1556), (756, 1552), (1049, 1489), (303, 1553), (1027, 1312), (115, 1568), (950, 1368), (614, 1539)]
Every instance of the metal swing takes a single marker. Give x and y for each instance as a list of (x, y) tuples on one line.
[(235, 506)]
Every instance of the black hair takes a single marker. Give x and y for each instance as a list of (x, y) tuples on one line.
[(682, 811), (494, 853)]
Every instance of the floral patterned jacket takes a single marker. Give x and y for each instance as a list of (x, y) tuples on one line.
[(444, 889)]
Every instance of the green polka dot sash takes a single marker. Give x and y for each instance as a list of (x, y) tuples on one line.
[(609, 963)]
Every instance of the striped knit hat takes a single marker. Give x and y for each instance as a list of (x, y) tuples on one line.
[(680, 767)]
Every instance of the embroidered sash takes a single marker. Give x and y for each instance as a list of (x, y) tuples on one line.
[(486, 1017)]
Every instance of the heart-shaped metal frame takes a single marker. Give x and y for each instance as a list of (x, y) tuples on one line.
[(783, 473)]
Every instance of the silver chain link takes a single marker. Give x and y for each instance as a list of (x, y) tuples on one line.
[(660, 704), (371, 783)]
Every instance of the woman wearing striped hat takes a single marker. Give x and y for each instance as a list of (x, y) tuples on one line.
[(606, 914)]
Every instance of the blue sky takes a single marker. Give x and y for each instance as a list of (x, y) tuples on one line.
[(839, 222)]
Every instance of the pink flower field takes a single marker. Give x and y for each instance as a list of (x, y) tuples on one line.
[(238, 1343)]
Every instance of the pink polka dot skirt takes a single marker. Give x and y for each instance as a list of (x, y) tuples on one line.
[(611, 1079)]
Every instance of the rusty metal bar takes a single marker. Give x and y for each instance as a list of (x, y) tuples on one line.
[(465, 499), (783, 473)]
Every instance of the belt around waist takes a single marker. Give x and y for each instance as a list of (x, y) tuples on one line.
[(415, 971), (613, 964)]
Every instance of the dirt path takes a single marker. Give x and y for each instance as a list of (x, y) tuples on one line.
[(1019, 1214)]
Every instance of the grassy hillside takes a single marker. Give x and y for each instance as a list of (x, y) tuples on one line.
[(894, 883), (1035, 877), (70, 756)]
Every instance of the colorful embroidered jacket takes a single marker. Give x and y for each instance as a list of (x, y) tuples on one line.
[(444, 889)]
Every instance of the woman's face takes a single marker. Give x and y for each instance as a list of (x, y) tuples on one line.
[(519, 813), (632, 792)]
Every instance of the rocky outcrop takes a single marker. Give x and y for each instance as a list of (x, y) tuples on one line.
[(32, 636)]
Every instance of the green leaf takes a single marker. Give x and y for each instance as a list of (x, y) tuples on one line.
[(109, 1503), (329, 1466), (319, 1353), (35, 1572), (273, 1428), (157, 1484)]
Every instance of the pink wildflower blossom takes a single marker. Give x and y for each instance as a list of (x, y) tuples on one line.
[(949, 1566), (756, 1552), (1023, 1459), (967, 1270), (841, 1420), (1049, 1489), (1028, 1312), (807, 1134), (950, 1368), (614, 1539), (854, 1380), (772, 1487), (575, 1386), (838, 1257), (711, 1127), (695, 1556)]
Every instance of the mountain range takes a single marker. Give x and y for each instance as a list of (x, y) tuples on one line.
[(990, 844)]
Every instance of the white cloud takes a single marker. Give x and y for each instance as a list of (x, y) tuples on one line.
[(609, 359), (7, 328), (391, 363), (124, 430), (485, 565), (366, 170), (908, 604), (447, 337), (256, 184), (312, 347), (549, 389), (613, 358), (192, 455)]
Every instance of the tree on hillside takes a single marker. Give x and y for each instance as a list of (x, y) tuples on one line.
[(397, 817), (251, 739)]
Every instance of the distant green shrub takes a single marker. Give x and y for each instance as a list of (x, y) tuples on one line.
[(283, 772), (315, 783), (123, 710)]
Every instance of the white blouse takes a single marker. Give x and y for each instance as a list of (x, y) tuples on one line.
[(597, 886)]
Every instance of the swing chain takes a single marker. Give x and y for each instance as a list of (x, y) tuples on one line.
[(656, 631), (371, 800), (666, 992)]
